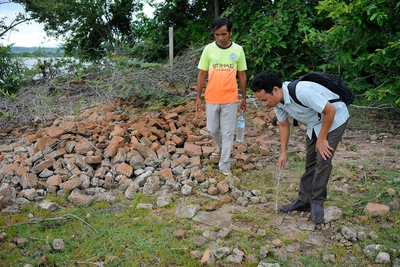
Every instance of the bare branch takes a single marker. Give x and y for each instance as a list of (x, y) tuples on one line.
[(19, 19), (63, 217)]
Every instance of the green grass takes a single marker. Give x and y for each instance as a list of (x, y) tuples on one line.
[(130, 237)]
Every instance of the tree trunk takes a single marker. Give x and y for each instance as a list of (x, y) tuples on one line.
[(216, 9)]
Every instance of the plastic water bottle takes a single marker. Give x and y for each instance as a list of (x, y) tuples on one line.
[(240, 128)]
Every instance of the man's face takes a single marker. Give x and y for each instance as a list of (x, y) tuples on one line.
[(222, 36), (268, 100)]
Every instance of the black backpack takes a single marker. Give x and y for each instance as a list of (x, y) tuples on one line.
[(330, 81)]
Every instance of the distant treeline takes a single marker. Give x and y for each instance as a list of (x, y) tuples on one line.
[(37, 51)]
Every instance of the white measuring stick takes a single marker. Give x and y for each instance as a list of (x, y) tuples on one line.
[(277, 192)]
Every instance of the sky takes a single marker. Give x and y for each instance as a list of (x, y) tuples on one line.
[(30, 34)]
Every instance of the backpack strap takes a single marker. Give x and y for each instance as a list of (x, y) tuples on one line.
[(326, 80), (291, 88), (292, 92)]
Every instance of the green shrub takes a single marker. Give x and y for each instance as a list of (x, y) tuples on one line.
[(12, 71)]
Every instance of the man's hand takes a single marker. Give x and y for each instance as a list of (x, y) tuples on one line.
[(201, 76), (197, 106), (282, 161), (243, 105), (322, 146), (324, 149)]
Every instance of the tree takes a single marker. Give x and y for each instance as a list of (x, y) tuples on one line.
[(11, 69), (363, 45), (6, 27), (272, 34), (90, 28), (359, 40), (191, 21)]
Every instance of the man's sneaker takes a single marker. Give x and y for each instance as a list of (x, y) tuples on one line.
[(217, 152), (226, 172)]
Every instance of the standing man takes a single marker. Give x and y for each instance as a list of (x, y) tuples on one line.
[(223, 60), (325, 122)]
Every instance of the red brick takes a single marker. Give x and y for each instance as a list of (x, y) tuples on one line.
[(124, 169), (43, 165), (54, 132), (112, 148)]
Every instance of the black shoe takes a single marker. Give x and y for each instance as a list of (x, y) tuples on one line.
[(296, 205), (317, 213)]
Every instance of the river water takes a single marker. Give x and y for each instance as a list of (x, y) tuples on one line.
[(32, 63), (51, 64)]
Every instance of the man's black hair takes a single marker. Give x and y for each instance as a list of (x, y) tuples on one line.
[(266, 81), (220, 22)]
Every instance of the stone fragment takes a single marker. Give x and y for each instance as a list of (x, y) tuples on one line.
[(124, 169), (48, 205), (162, 153), (370, 250), (120, 157), (220, 253), (72, 183), (223, 187), (29, 194), (165, 174), (146, 152), (6, 148), (186, 190), (58, 153), (332, 213), (171, 116), (376, 210), (207, 258), (58, 244), (79, 199), (383, 258), (54, 180), (151, 186), (43, 165), (29, 180), (7, 195), (164, 200), (179, 233), (199, 176), (54, 132), (45, 142), (236, 257), (118, 131), (187, 211), (21, 241), (112, 148), (225, 199), (192, 149), (145, 206), (212, 191), (83, 146), (349, 233)]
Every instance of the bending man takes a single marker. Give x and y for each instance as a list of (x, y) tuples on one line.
[(325, 122)]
